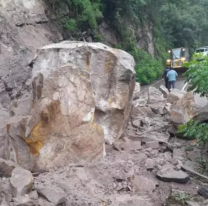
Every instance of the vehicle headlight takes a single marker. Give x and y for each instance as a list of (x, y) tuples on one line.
[(183, 58), (168, 60)]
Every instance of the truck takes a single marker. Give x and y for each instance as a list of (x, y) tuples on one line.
[(178, 56)]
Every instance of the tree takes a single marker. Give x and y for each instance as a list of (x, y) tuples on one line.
[(197, 76)]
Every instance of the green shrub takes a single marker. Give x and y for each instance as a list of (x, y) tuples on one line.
[(81, 14), (70, 24), (147, 68), (194, 129)]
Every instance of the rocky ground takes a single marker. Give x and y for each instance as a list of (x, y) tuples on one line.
[(148, 166)]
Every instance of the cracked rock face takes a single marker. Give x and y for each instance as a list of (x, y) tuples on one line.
[(24, 27)]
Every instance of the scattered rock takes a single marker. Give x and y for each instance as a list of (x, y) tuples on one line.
[(43, 202), (23, 201), (6, 167), (168, 156), (174, 161), (179, 154), (203, 191), (167, 108), (173, 176), (136, 123), (127, 146), (164, 91), (144, 184), (150, 164), (55, 196), (155, 100), (153, 144), (194, 155), (175, 95), (160, 161), (33, 195), (191, 203), (141, 112), (21, 182), (4, 203), (124, 200)]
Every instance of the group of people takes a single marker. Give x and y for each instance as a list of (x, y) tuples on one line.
[(170, 76)]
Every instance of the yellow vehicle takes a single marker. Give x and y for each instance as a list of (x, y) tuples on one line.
[(178, 57)]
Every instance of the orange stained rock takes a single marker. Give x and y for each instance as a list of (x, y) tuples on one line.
[(38, 136)]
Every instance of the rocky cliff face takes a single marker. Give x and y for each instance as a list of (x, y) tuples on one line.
[(143, 35), (24, 27)]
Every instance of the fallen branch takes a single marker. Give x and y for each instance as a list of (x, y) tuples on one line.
[(194, 173)]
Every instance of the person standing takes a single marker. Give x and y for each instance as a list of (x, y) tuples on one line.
[(171, 75), (167, 69)]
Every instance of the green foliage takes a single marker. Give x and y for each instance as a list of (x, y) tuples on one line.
[(77, 14), (197, 75), (148, 68), (98, 37), (182, 198), (70, 24), (194, 129), (178, 198), (185, 24)]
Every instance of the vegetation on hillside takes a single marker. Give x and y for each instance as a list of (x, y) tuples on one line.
[(176, 23)]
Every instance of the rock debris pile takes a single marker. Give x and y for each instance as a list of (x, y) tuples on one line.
[(144, 167)]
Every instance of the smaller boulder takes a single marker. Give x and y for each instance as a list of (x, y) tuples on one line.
[(55, 196), (33, 195), (23, 201), (127, 146), (191, 203), (175, 95), (173, 176), (21, 182), (164, 91), (153, 144), (150, 164), (203, 191), (144, 184)]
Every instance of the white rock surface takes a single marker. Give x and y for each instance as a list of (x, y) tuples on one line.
[(21, 182), (54, 196)]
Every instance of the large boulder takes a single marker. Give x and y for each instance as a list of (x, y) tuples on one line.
[(189, 107), (81, 98)]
